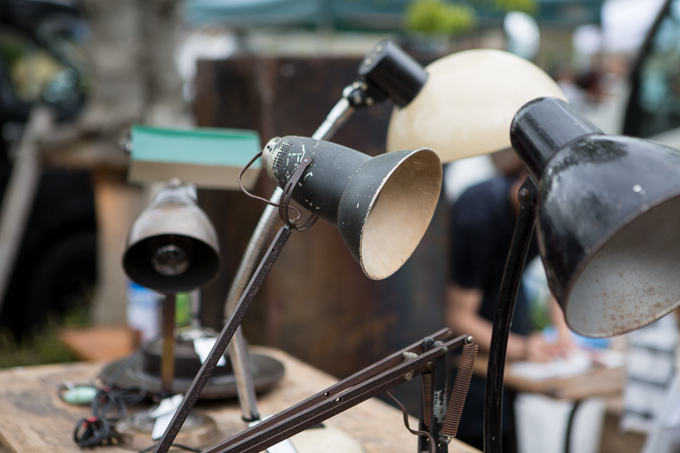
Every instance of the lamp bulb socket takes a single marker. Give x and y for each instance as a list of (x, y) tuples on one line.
[(170, 260), (272, 154)]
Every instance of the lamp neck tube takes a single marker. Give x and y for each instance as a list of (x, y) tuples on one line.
[(544, 126)]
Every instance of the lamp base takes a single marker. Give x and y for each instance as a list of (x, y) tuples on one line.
[(266, 372), (134, 431)]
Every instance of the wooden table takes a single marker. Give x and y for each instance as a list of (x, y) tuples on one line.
[(598, 382), (100, 343), (34, 418)]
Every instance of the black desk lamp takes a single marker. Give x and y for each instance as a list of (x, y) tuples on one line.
[(607, 213), (608, 219), (172, 248), (606, 208), (382, 206), (386, 72)]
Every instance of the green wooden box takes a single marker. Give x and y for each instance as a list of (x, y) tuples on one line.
[(205, 157)]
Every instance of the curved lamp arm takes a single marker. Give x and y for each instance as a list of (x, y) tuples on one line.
[(512, 276)]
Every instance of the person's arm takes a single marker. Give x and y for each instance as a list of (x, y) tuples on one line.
[(462, 315)]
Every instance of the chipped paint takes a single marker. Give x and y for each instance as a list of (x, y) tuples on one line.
[(294, 159), (439, 405)]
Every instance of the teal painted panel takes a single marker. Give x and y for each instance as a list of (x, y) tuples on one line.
[(200, 146), (253, 13), (363, 15)]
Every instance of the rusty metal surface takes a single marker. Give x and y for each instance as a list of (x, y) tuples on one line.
[(168, 357)]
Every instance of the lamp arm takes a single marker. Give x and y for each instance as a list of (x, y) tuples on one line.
[(360, 93), (208, 367), (381, 376), (168, 309), (237, 348), (512, 275), (265, 226), (338, 115)]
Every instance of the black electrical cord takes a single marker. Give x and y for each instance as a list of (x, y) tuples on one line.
[(93, 431), (108, 406), (432, 442)]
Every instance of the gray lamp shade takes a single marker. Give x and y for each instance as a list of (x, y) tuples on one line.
[(608, 218), (172, 246)]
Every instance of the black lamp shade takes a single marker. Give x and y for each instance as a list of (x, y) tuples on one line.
[(608, 219), (382, 205)]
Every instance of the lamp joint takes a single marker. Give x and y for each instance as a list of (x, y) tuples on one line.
[(363, 94), (408, 355), (527, 192)]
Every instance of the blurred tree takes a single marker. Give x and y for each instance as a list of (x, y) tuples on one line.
[(525, 6), (442, 17), (437, 17)]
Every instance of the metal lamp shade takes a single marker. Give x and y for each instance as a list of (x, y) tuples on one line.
[(608, 219), (172, 246), (467, 104), (382, 205)]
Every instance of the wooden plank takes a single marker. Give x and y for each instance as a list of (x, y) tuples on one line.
[(34, 418), (100, 343)]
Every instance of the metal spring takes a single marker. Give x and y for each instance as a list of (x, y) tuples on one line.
[(459, 392)]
